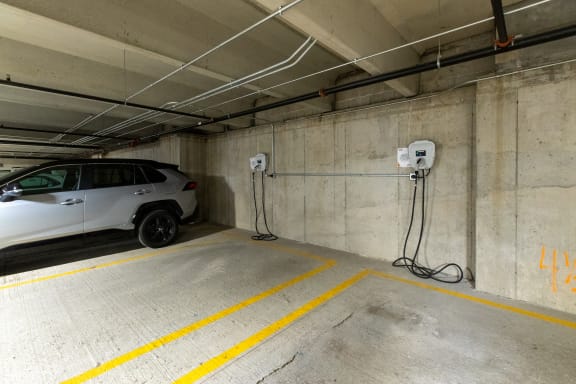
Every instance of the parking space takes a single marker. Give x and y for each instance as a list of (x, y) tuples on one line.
[(218, 307)]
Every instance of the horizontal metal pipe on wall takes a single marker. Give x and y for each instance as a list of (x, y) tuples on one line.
[(338, 174)]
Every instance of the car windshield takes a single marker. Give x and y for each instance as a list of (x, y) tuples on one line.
[(16, 174)]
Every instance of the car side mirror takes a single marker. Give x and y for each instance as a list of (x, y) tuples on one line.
[(11, 191)]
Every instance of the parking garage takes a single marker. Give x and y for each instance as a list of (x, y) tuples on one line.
[(382, 187)]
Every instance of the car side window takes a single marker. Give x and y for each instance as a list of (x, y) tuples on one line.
[(153, 175), (139, 176), (109, 175), (50, 180)]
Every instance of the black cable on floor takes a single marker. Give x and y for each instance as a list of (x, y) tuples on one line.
[(259, 235), (412, 263)]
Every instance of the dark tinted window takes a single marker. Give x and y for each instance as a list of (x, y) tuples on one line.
[(140, 178), (109, 175), (56, 179), (153, 175)]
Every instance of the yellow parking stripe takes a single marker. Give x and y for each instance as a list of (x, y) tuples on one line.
[(122, 359), (223, 358), (109, 264), (479, 300)]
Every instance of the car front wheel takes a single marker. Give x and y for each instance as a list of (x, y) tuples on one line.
[(158, 229)]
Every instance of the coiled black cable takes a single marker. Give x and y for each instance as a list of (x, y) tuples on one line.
[(259, 235), (412, 263)]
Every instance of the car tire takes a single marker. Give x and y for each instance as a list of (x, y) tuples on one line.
[(158, 229)]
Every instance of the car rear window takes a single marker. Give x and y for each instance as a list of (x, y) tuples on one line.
[(109, 175), (153, 175)]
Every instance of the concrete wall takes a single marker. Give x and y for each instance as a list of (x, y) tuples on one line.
[(526, 188), (364, 215), (9, 164)]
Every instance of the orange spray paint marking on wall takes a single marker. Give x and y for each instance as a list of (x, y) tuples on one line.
[(571, 277), (555, 269)]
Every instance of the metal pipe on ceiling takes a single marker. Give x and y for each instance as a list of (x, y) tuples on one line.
[(281, 9), (131, 121), (47, 144), (415, 42), (287, 63), (70, 134), (520, 43), (14, 84), (4, 152), (28, 157), (386, 51), (500, 23)]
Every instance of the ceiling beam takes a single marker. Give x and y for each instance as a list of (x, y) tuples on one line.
[(353, 29), (30, 28)]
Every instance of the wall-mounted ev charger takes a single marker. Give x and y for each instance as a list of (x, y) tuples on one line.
[(258, 163), (421, 154)]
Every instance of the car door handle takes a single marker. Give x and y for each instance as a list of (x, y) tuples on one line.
[(142, 191), (71, 201)]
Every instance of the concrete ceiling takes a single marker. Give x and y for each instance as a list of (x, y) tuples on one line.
[(114, 48)]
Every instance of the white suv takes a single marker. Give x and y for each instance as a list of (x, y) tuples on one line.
[(69, 197)]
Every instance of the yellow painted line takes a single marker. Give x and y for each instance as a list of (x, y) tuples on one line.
[(479, 300), (106, 265), (122, 359), (223, 358)]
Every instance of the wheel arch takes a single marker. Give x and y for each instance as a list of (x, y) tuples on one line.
[(168, 205)]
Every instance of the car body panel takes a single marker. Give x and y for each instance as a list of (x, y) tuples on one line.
[(89, 207), (25, 219), (108, 208)]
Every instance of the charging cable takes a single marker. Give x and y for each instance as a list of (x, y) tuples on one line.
[(269, 236), (411, 263)]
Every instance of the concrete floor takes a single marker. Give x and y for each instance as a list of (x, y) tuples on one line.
[(220, 308)]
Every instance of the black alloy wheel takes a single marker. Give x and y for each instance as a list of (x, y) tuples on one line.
[(158, 229)]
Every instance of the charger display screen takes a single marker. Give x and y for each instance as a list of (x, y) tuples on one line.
[(420, 153)]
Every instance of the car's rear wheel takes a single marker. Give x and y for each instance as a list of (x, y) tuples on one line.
[(158, 229)]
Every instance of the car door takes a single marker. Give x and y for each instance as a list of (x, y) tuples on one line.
[(113, 194), (50, 206)]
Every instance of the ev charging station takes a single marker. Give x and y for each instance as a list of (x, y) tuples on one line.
[(420, 156), (259, 164)]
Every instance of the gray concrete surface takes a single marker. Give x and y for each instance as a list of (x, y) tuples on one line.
[(524, 187), (61, 320)]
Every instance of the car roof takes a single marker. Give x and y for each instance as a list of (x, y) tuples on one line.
[(152, 163), (155, 164)]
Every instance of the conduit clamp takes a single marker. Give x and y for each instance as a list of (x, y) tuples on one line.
[(504, 44)]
